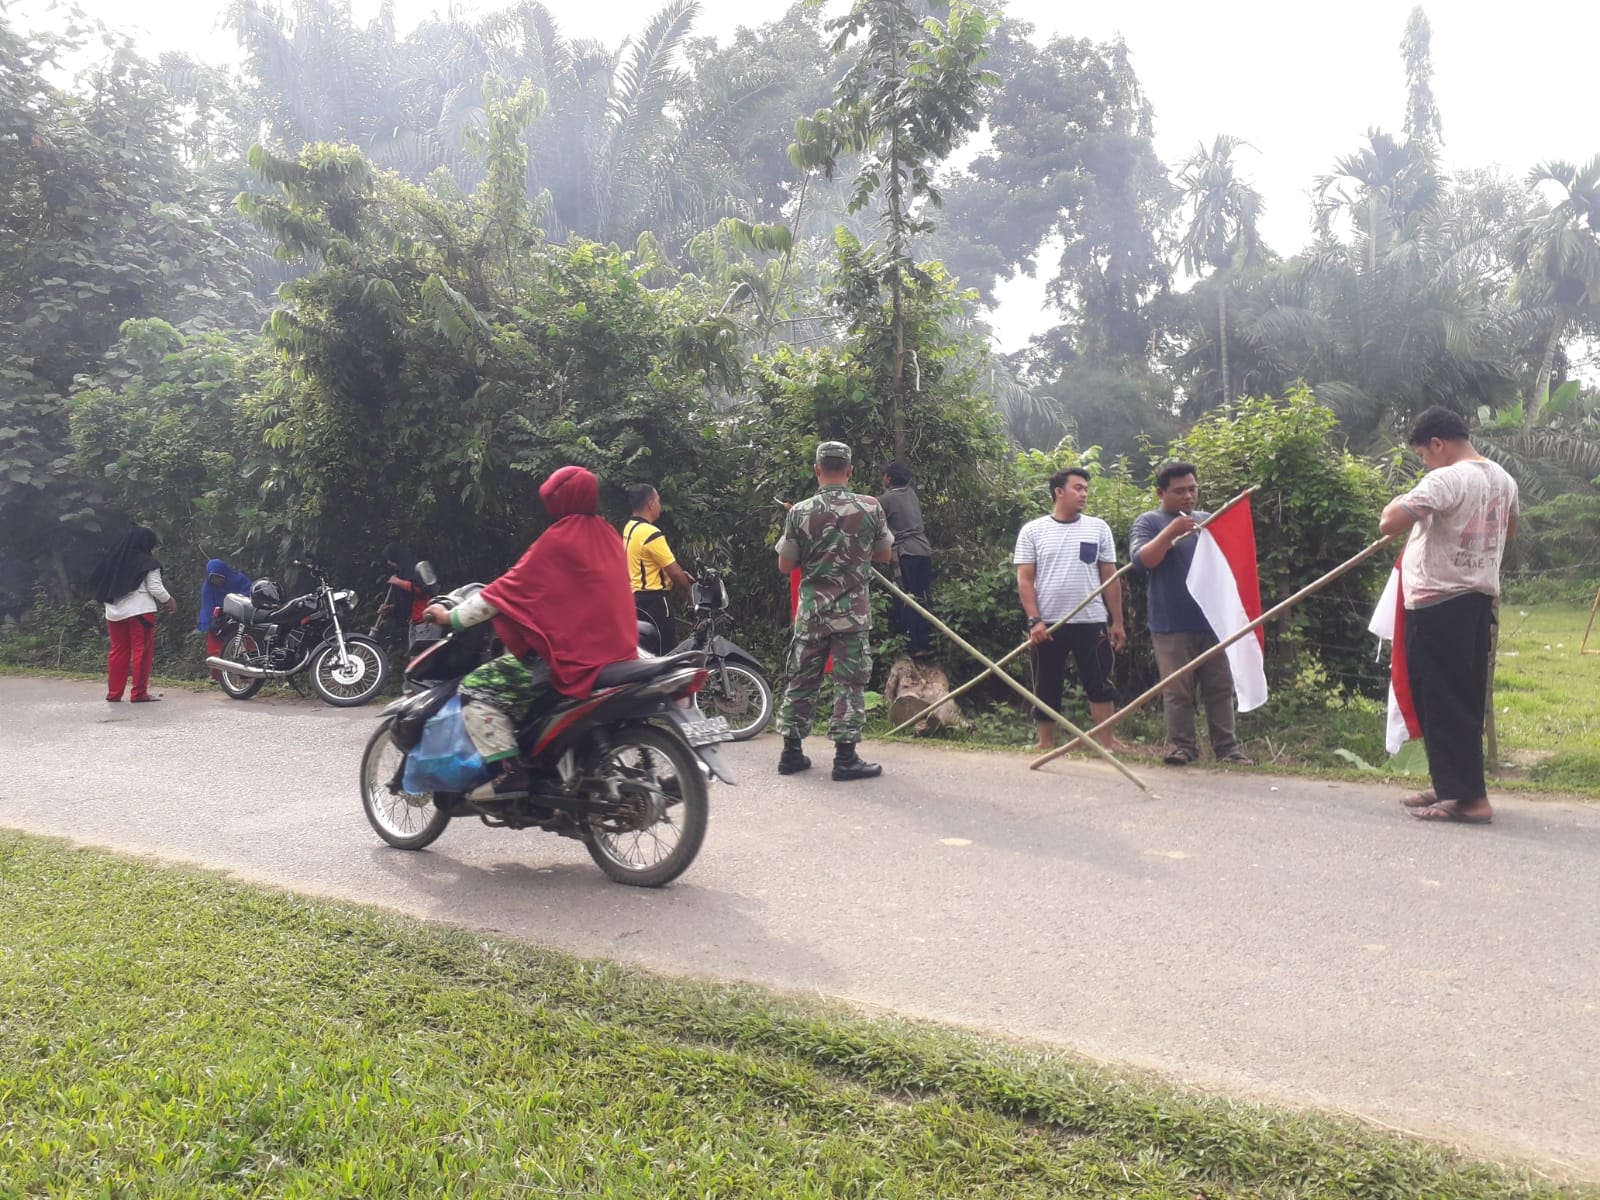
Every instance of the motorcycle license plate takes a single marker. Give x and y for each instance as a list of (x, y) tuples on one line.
[(706, 732)]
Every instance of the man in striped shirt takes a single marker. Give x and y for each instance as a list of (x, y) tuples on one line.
[(1061, 558), (652, 566)]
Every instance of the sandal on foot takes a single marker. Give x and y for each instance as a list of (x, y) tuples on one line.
[(1239, 759), (1423, 799), (1180, 757), (1446, 811)]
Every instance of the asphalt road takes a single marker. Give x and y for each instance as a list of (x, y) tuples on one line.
[(1295, 940)]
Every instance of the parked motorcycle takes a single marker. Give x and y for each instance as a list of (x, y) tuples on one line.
[(265, 637), (624, 771), (737, 689)]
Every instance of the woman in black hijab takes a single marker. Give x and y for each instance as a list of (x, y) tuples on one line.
[(128, 583)]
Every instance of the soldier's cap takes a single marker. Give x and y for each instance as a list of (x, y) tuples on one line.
[(832, 450)]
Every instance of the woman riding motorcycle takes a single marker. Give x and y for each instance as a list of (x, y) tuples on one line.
[(564, 612)]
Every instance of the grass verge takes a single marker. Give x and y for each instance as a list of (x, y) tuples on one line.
[(166, 1032)]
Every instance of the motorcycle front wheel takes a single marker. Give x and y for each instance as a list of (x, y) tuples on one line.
[(404, 820), (240, 648), (740, 695), (351, 683), (664, 807)]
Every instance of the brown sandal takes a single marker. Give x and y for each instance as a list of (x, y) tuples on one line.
[(1423, 799), (1447, 810)]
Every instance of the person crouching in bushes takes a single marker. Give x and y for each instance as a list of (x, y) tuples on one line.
[(220, 581), (128, 583)]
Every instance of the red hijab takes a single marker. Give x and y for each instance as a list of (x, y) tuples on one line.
[(569, 599)]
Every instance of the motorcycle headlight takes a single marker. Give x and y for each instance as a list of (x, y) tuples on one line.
[(346, 597)]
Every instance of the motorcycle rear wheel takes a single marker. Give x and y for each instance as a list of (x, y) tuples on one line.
[(357, 680), (239, 687), (404, 820), (654, 767), (746, 703)]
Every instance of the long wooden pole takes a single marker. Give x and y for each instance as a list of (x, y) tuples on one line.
[(1078, 734), (1195, 663), (1590, 625), (993, 668)]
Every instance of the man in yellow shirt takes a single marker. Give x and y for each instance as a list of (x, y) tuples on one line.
[(651, 564)]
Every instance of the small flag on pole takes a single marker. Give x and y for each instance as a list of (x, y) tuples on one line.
[(1388, 624)]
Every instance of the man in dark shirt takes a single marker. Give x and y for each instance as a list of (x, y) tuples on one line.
[(1178, 628), (913, 554)]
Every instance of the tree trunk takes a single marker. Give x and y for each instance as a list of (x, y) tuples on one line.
[(911, 687), (1222, 333), (1541, 386), (899, 255), (897, 411)]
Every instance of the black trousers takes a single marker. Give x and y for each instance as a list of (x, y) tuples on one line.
[(1447, 653), (916, 576), (654, 605)]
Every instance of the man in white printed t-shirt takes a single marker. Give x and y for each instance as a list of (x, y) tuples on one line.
[(1060, 558), (1460, 517)]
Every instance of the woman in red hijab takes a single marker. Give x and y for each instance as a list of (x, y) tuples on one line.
[(564, 612)]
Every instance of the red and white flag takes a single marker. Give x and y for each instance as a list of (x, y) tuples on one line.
[(1224, 583), (1388, 624)]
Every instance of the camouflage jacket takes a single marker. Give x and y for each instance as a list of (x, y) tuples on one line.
[(833, 536)]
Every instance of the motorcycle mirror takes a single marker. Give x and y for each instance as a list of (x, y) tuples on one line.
[(426, 573)]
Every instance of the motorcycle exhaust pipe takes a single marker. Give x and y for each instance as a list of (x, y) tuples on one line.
[(233, 668)]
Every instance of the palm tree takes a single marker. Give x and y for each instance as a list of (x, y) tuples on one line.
[(1222, 229), (1394, 182), (1558, 256)]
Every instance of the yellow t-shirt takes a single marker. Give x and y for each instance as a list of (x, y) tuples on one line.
[(648, 556)]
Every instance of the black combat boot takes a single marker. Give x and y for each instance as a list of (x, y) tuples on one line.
[(792, 760), (847, 764)]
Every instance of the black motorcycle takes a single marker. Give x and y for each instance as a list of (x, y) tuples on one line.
[(624, 770), (737, 690), (265, 637)]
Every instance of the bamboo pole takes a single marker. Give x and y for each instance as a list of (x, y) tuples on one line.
[(1590, 625), (1194, 663), (955, 637), (993, 669)]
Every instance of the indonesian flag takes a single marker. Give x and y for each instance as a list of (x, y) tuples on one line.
[(1223, 582), (1388, 624)]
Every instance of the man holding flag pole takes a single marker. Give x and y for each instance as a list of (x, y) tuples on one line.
[(1459, 518), (1197, 587)]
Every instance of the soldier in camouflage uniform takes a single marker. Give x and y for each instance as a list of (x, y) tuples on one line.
[(834, 538)]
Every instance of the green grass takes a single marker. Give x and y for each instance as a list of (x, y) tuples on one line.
[(165, 1032), (1547, 695), (1547, 713)]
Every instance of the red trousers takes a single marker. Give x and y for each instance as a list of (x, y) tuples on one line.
[(133, 651)]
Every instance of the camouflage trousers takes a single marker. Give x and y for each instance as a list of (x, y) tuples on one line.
[(852, 668), (495, 697)]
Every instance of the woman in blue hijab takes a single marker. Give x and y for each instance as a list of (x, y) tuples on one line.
[(221, 579)]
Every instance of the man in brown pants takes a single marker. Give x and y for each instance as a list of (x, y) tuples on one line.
[(1178, 628)]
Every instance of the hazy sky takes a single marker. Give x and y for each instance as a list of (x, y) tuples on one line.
[(1301, 83)]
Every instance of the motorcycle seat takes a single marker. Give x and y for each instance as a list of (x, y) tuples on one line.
[(637, 669)]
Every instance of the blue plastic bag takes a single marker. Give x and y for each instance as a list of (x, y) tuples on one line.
[(445, 760)]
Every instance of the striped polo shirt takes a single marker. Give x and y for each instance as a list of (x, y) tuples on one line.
[(1066, 558)]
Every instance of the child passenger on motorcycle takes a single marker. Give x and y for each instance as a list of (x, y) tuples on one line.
[(563, 612)]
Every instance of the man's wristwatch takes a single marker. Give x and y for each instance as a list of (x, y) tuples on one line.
[(1032, 621)]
